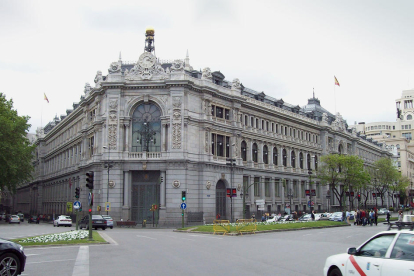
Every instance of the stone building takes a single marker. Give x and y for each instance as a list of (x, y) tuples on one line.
[(163, 128)]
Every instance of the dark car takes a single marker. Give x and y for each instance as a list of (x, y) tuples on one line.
[(12, 258), (97, 222), (32, 219)]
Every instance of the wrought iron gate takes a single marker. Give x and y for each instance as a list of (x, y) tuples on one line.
[(145, 192), (221, 199)]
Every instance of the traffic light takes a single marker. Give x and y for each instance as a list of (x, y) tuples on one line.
[(228, 192), (90, 210), (89, 180), (183, 195), (359, 197), (77, 192)]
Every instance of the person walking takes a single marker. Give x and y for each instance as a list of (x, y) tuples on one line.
[(376, 216), (313, 215), (356, 217), (400, 216), (388, 217), (371, 217)]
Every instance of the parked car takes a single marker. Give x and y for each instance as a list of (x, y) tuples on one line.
[(109, 221), (62, 221), (21, 216), (287, 218), (337, 216), (14, 219), (32, 219), (386, 253), (382, 211), (352, 215), (97, 222), (12, 258), (305, 217)]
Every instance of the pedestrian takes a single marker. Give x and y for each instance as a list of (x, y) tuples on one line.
[(400, 216), (388, 217), (263, 218), (218, 216), (313, 215), (376, 217), (371, 217), (347, 217), (38, 219), (356, 217)]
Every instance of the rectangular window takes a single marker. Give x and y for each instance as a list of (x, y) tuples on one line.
[(267, 187), (302, 189), (256, 186), (213, 108), (219, 112), (277, 187), (227, 114), (91, 145)]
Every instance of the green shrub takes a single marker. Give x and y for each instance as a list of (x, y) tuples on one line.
[(407, 209), (391, 209)]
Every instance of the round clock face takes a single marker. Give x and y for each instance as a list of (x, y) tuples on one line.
[(147, 60)]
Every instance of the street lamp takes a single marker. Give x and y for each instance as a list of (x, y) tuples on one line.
[(290, 196), (147, 135), (109, 166)]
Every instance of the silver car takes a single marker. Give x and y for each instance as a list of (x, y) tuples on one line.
[(14, 219), (109, 221)]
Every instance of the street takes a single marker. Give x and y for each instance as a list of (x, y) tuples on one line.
[(164, 252)]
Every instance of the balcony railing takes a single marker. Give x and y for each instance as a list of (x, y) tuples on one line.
[(144, 155)]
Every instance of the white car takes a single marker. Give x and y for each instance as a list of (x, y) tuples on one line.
[(62, 221), (14, 219), (382, 211), (109, 221), (337, 216), (387, 253)]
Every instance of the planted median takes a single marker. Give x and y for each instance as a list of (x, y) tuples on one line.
[(263, 226), (65, 238)]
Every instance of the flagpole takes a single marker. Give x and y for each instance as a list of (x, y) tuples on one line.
[(41, 116), (335, 97)]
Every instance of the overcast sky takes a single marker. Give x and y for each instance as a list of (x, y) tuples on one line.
[(287, 49)]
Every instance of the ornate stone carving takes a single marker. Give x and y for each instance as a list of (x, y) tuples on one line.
[(207, 74), (113, 105), (325, 118), (177, 66), (177, 102), (87, 89), (146, 68), (98, 79), (236, 85), (112, 136), (339, 123), (176, 143), (206, 141), (115, 67)]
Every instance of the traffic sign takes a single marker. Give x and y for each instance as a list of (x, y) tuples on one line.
[(309, 203), (183, 206), (107, 206), (77, 205), (69, 207)]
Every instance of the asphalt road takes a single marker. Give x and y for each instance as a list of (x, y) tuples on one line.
[(164, 252)]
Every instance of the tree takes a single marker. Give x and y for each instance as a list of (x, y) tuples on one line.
[(385, 174), (341, 173), (398, 187), (353, 174), (15, 149)]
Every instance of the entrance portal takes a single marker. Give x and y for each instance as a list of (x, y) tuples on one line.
[(145, 192), (221, 199)]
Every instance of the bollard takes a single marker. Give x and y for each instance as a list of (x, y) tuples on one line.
[(144, 223)]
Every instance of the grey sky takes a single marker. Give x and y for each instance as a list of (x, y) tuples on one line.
[(284, 48)]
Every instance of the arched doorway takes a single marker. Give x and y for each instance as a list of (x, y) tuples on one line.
[(221, 199)]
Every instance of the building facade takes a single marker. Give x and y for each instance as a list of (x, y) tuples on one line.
[(153, 129)]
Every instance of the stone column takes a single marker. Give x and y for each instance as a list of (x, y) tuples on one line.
[(126, 207)]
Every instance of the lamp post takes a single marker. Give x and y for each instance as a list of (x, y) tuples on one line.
[(147, 135), (231, 162), (310, 190), (290, 195), (107, 165)]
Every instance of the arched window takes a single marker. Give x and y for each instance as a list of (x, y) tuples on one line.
[(146, 128), (409, 117), (316, 163), (274, 156), (254, 152), (292, 159), (265, 155), (284, 157), (301, 160), (244, 151), (308, 159), (340, 149)]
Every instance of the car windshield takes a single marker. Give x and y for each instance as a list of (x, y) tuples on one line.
[(106, 217), (64, 217), (97, 217)]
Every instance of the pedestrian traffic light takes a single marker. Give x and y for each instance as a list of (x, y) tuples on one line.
[(183, 195), (77, 192), (228, 192), (90, 210), (89, 180)]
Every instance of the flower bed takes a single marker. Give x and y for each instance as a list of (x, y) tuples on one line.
[(66, 236)]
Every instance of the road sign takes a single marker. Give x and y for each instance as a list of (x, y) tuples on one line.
[(90, 199), (69, 207), (77, 205), (183, 206), (309, 203), (107, 206)]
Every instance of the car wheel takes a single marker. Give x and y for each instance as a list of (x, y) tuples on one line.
[(96, 228), (80, 227), (335, 272), (87, 227), (103, 228), (112, 227), (54, 225), (57, 224), (9, 264)]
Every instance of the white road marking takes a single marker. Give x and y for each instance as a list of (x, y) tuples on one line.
[(65, 260), (206, 236), (108, 239), (139, 236), (81, 267)]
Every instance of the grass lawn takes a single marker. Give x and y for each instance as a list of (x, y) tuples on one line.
[(71, 237), (271, 226)]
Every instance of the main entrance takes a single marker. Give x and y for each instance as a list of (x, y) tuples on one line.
[(145, 192), (221, 199)]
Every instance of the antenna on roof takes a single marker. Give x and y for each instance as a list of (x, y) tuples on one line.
[(314, 92)]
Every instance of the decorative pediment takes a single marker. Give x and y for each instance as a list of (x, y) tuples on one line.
[(147, 68)]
